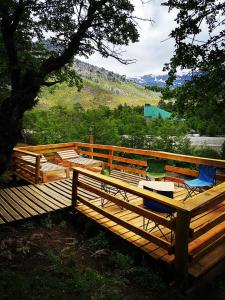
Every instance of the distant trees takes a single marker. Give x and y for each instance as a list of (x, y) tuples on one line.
[(73, 28)]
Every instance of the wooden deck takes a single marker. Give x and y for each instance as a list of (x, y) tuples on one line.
[(32, 200)]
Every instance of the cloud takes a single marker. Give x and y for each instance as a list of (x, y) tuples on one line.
[(151, 53)]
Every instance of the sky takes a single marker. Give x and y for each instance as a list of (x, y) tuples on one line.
[(154, 48)]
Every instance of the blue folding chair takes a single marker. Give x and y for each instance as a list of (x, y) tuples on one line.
[(206, 178), (157, 207)]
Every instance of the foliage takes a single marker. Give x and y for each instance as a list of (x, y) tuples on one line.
[(222, 154), (123, 263), (59, 280), (47, 222), (203, 96), (154, 88), (97, 242), (123, 125), (206, 152)]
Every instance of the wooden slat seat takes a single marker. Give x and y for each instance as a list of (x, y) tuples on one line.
[(47, 169), (71, 158)]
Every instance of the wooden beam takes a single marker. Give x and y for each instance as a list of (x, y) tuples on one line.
[(166, 155), (21, 151), (202, 201), (122, 203), (181, 248), (91, 141), (211, 224), (37, 169), (74, 188), (171, 203), (158, 241)]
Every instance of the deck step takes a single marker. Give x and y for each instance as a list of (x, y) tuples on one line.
[(208, 261), (202, 243), (209, 248)]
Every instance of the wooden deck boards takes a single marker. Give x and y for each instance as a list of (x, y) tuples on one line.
[(32, 200)]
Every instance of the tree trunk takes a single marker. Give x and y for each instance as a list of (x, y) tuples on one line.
[(11, 118), (10, 128)]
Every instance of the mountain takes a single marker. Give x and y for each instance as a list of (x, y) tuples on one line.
[(100, 87), (159, 80)]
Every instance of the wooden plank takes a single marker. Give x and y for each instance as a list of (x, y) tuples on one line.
[(20, 161), (201, 219), (48, 146), (5, 215), (209, 248), (33, 199), (74, 188), (37, 169), (208, 261), (138, 210), (28, 179), (206, 239), (32, 204), (65, 200), (181, 247), (166, 155), (25, 169), (204, 200), (59, 191), (128, 169), (211, 224), (20, 201), (134, 190), (94, 154), (9, 208), (162, 243), (39, 193), (44, 202), (22, 150)]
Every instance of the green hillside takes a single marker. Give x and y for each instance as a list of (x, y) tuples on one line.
[(97, 92)]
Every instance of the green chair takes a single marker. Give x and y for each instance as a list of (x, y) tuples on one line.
[(156, 168)]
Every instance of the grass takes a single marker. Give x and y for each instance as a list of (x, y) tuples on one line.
[(93, 94)]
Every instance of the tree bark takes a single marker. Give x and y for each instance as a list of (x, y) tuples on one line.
[(12, 110)]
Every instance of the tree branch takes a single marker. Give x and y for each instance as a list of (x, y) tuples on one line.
[(55, 63)]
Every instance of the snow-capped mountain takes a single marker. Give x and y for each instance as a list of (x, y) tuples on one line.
[(160, 80)]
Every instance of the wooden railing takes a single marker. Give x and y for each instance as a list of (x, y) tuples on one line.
[(182, 246), (117, 158), (30, 171), (113, 159)]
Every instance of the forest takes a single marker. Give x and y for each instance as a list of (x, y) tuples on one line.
[(123, 125)]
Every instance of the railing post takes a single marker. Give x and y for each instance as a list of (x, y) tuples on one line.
[(37, 169), (74, 188), (91, 141), (110, 159), (181, 248)]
